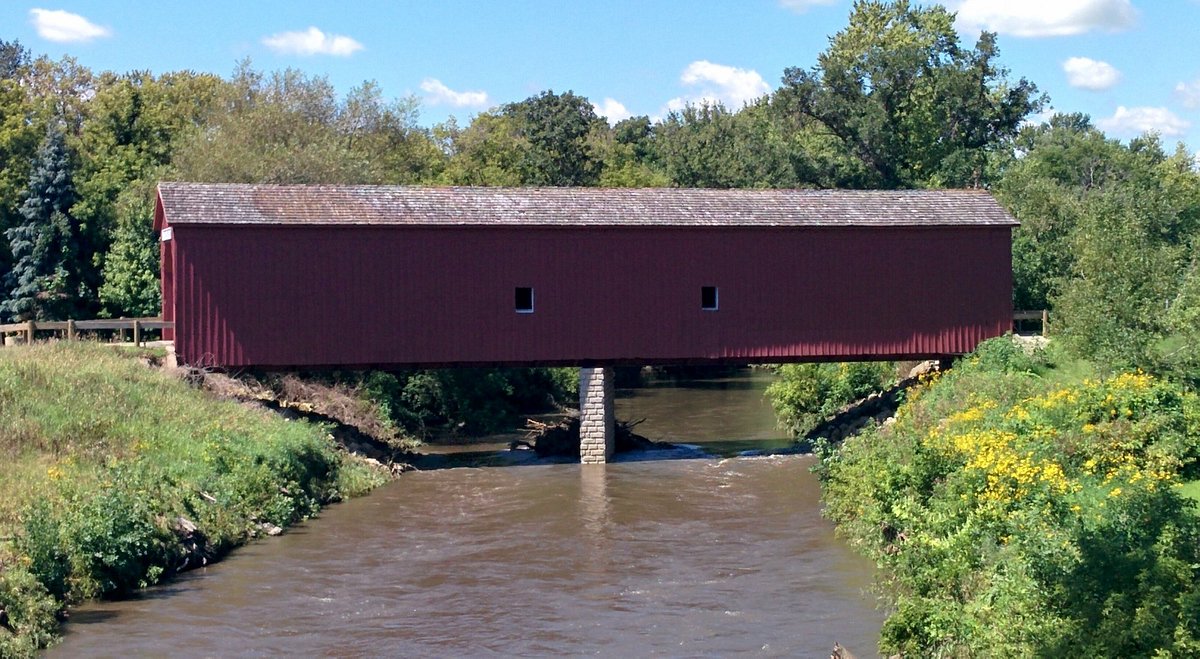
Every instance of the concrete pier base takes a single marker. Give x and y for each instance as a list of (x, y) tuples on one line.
[(597, 421)]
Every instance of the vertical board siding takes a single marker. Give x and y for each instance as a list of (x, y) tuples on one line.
[(294, 296)]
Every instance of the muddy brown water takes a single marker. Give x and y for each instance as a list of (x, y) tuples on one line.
[(703, 556)]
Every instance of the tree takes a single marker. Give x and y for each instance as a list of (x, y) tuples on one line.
[(627, 154), (45, 280), (901, 95), (132, 126), (487, 152), (13, 59), (386, 134), (556, 128), (708, 146), (130, 276), (698, 147), (287, 127), (19, 137)]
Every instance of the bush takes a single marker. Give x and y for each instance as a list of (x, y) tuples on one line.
[(804, 394), (30, 610), (1020, 506), (471, 400)]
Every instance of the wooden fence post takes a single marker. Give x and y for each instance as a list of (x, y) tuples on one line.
[(1045, 320), (29, 329), (70, 329), (137, 333)]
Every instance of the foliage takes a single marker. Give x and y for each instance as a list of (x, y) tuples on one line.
[(906, 99), (469, 400), (1021, 506), (708, 146), (1108, 242), (130, 276), (20, 133), (31, 613), (286, 127), (627, 154), (805, 394), (45, 281), (128, 136), (556, 128), (102, 456), (488, 152)]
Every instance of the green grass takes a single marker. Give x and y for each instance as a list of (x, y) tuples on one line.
[(101, 457)]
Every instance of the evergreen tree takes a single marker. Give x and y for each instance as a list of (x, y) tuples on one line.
[(45, 280)]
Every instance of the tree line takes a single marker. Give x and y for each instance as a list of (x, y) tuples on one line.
[(1108, 241)]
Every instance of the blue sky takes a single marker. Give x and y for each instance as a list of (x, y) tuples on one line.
[(1133, 65)]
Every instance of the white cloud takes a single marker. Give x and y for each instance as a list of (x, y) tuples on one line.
[(439, 94), (1189, 94), (801, 6), (714, 83), (65, 27), (1046, 18), (1131, 122), (613, 110), (1087, 73), (312, 42)]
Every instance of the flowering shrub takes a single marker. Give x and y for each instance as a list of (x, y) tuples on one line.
[(1019, 508)]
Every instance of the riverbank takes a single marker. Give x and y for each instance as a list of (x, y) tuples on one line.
[(114, 476), (1026, 505)]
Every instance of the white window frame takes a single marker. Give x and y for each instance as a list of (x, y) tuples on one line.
[(531, 300)]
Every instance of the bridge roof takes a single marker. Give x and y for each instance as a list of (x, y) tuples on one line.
[(229, 203)]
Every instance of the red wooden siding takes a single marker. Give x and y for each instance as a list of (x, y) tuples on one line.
[(311, 296)]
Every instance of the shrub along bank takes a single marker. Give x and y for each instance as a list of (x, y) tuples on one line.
[(1025, 505), (113, 476), (805, 394)]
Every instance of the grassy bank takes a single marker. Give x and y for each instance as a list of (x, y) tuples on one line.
[(113, 476), (1029, 506)]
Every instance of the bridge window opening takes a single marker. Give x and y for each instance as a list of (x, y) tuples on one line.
[(708, 298), (523, 299)]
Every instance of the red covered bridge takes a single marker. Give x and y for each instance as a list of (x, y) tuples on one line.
[(340, 276)]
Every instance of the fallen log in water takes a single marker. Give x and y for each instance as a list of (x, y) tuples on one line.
[(562, 438)]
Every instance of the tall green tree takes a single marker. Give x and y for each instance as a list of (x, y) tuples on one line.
[(20, 132), (287, 127), (627, 154), (901, 94), (709, 146), (557, 128), (131, 130), (45, 281), (487, 152), (13, 58), (131, 268)]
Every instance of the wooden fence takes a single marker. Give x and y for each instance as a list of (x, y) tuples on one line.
[(1042, 315), (71, 329)]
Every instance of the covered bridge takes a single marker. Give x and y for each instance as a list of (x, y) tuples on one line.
[(364, 276)]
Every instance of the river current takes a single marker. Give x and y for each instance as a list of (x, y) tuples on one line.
[(707, 556)]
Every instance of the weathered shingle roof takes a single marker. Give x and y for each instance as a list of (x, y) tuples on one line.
[(221, 203)]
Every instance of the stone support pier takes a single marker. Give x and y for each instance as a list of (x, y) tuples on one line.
[(597, 423)]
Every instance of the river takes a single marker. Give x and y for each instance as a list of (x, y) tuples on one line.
[(688, 557)]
